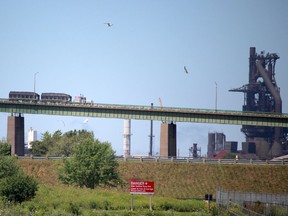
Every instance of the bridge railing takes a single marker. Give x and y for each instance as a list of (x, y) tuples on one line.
[(175, 159), (144, 107)]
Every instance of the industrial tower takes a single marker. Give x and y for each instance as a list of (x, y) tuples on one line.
[(262, 94)]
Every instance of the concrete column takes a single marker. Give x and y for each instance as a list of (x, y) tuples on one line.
[(15, 134), (168, 140)]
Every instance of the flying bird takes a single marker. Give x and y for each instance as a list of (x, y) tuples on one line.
[(109, 24), (86, 121), (185, 69)]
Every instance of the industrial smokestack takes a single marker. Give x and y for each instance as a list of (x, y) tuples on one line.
[(127, 137)]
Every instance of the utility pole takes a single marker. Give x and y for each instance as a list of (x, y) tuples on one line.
[(35, 84), (216, 95), (151, 135)]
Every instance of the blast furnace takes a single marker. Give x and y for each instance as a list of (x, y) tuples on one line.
[(262, 94)]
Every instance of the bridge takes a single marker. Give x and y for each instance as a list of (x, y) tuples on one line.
[(167, 115), (164, 114)]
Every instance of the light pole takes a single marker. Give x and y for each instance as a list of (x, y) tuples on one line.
[(35, 84), (216, 96), (151, 135)]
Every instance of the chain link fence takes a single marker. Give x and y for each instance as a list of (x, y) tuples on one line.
[(259, 203)]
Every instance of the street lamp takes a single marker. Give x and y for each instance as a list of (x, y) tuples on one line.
[(215, 96), (35, 84), (151, 135)]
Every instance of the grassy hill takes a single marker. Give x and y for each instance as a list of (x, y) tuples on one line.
[(183, 180)]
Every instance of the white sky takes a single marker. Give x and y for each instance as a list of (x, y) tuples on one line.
[(139, 59)]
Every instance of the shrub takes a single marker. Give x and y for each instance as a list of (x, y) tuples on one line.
[(93, 205), (8, 167), (106, 205), (18, 187), (166, 206), (5, 149), (74, 208), (15, 186)]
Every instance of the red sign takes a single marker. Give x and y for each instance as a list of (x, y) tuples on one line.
[(141, 187)]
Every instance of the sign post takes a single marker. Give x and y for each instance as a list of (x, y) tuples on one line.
[(141, 187)]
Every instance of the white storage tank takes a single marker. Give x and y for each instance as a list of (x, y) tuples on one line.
[(127, 138), (32, 136)]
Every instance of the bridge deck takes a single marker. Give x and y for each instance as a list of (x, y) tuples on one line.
[(165, 114)]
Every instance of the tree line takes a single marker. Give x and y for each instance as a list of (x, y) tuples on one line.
[(87, 162), (59, 144)]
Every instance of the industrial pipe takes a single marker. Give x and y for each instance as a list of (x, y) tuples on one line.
[(263, 72), (276, 148)]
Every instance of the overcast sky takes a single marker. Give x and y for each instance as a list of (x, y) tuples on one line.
[(139, 59)]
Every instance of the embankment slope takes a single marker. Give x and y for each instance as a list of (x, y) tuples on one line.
[(183, 180)]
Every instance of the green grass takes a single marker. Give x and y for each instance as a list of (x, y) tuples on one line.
[(179, 188), (66, 200), (193, 180)]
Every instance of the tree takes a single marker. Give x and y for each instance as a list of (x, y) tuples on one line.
[(48, 143), (15, 185), (65, 146), (8, 167), (5, 148), (92, 164), (18, 187), (39, 148), (58, 144)]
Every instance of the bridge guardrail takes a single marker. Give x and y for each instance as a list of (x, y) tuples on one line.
[(176, 159)]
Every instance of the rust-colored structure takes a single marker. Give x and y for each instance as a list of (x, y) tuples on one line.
[(216, 143), (262, 94), (15, 134), (168, 140)]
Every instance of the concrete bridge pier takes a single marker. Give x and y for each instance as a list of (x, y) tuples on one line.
[(15, 134), (168, 140)]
